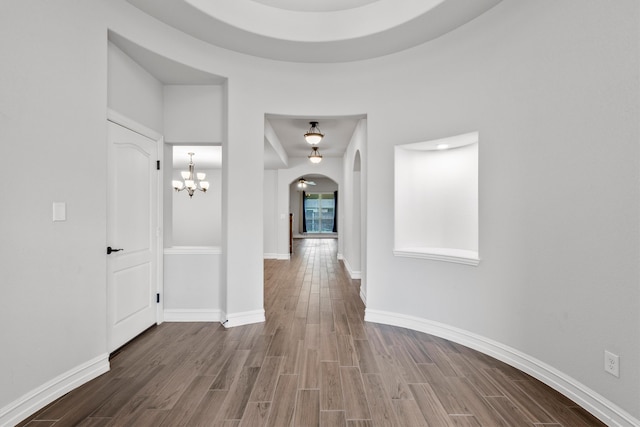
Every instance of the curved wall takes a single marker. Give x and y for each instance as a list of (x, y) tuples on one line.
[(552, 87), (525, 76)]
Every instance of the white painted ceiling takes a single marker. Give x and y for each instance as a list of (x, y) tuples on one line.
[(337, 134), (165, 70), (315, 5), (315, 30)]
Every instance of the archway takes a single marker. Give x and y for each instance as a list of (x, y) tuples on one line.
[(313, 201), (356, 219)]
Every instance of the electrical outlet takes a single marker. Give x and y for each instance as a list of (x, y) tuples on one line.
[(612, 363)]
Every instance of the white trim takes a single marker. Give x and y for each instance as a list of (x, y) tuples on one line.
[(356, 275), (600, 407), (458, 256), (124, 121), (280, 257), (192, 315), (193, 250), (160, 234), (340, 256), (245, 318), (363, 295), (41, 396)]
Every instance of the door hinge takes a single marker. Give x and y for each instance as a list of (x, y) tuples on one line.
[(158, 298), (158, 164)]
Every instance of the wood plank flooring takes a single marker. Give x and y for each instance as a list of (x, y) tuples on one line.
[(314, 362)]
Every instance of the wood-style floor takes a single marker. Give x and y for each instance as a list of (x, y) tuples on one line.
[(315, 362)]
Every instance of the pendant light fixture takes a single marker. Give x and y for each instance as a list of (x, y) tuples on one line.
[(315, 155), (191, 181), (314, 136)]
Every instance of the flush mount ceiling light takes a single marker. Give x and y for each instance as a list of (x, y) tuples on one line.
[(314, 136), (190, 183), (315, 155)]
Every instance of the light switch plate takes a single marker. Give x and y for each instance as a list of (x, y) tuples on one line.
[(59, 211)]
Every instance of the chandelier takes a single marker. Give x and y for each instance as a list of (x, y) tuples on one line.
[(314, 136), (189, 181)]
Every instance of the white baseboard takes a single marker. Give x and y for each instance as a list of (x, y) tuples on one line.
[(281, 257), (363, 295), (245, 318), (603, 409), (40, 397), (354, 274), (195, 315)]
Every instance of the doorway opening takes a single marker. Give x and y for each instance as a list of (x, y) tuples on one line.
[(319, 213), (314, 208)]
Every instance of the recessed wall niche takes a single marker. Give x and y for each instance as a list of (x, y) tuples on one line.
[(436, 199)]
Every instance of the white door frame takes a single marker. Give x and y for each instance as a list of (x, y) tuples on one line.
[(134, 126)]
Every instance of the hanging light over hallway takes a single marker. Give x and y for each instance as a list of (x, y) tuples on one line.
[(315, 155), (314, 136)]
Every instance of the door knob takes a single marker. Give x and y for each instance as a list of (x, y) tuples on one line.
[(110, 249)]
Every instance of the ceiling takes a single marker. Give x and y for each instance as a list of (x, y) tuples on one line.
[(290, 133), (315, 5), (315, 30), (165, 70)]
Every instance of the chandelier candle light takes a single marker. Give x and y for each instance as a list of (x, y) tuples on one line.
[(189, 177)]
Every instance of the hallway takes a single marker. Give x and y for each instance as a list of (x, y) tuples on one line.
[(314, 362)]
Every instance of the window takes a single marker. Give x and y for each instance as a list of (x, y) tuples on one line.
[(319, 212)]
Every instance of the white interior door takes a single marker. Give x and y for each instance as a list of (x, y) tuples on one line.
[(131, 231)]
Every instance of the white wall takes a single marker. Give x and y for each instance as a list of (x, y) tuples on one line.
[(132, 91), (53, 111), (271, 215), (193, 113), (354, 206), (194, 275), (551, 86)]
